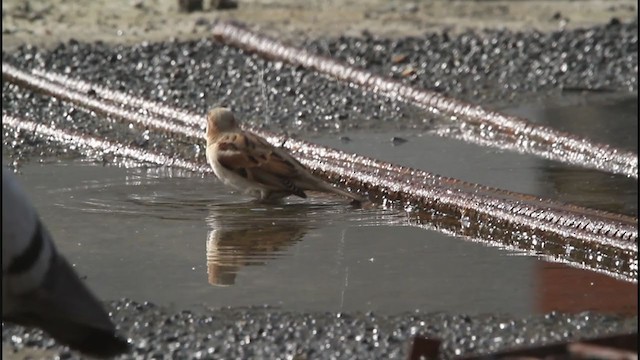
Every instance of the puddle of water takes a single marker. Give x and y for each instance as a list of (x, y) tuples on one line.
[(182, 240), (607, 119), (613, 121)]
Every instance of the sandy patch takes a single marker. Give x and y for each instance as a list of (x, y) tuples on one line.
[(46, 22)]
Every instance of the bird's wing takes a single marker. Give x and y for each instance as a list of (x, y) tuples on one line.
[(253, 158)]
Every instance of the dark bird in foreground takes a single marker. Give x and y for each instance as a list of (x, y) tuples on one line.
[(39, 287)]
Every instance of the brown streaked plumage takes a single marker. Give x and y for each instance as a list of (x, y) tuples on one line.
[(250, 164)]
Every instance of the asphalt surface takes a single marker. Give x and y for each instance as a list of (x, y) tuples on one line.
[(493, 67)]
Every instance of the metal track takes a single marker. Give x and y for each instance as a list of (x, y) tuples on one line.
[(491, 128), (612, 347)]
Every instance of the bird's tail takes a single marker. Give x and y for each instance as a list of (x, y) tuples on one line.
[(338, 191)]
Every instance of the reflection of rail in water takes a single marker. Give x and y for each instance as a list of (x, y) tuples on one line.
[(584, 237)]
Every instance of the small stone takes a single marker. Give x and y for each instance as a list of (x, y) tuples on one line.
[(202, 22), (411, 7), (138, 4), (224, 4), (408, 71), (189, 5), (398, 141), (399, 58)]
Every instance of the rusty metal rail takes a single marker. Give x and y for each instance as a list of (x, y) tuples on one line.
[(583, 237), (612, 347), (492, 128), (94, 146)]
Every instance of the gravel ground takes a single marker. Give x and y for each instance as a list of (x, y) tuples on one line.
[(268, 333), (45, 22), (491, 67)]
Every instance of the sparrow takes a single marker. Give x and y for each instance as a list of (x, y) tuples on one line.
[(248, 163), (39, 287)]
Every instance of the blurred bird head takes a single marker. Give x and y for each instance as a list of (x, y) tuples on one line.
[(220, 120)]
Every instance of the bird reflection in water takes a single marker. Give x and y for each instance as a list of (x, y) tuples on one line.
[(252, 235)]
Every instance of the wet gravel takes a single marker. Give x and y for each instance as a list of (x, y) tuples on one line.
[(501, 65), (490, 68), (270, 333)]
